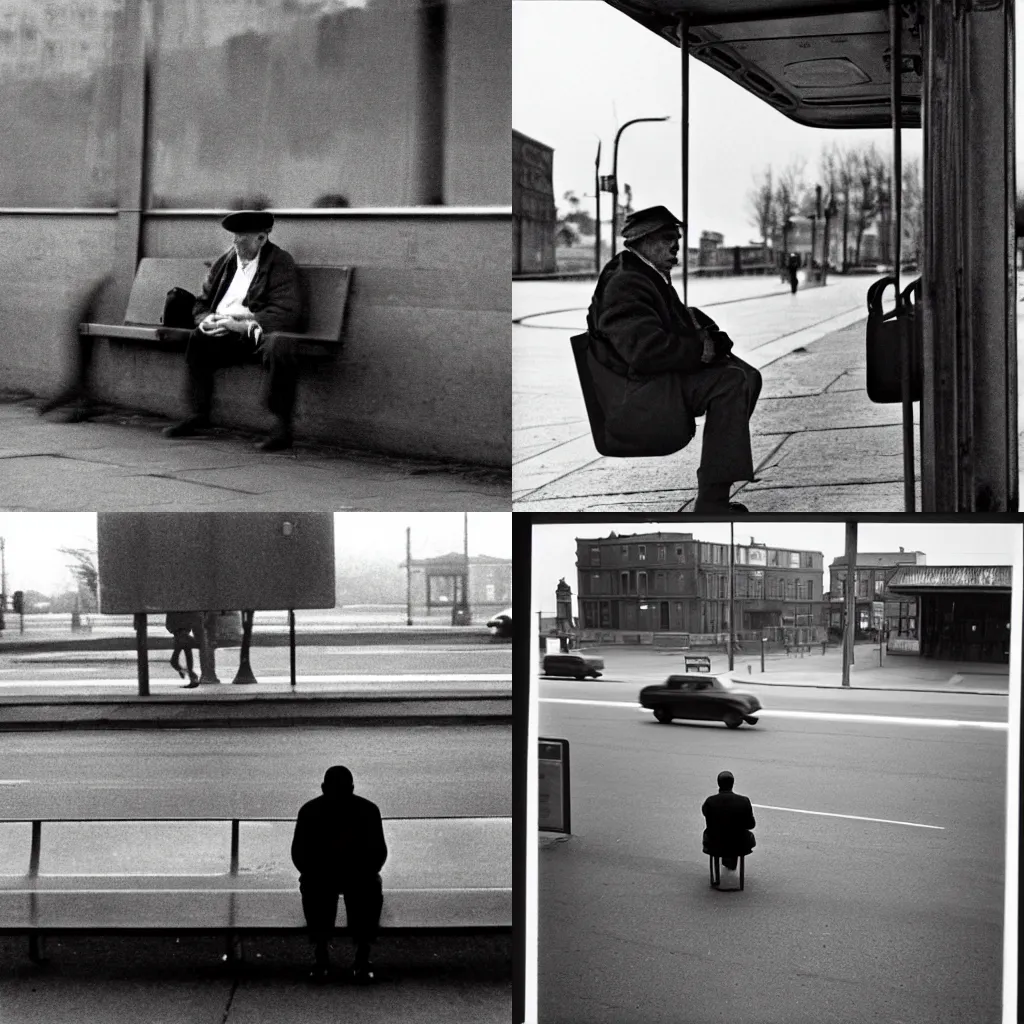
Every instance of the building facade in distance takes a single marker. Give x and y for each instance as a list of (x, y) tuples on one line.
[(877, 607), (673, 583)]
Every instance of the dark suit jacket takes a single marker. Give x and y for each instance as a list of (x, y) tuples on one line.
[(338, 839), (273, 297), (640, 324), (729, 816)]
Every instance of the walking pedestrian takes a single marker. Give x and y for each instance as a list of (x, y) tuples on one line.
[(182, 626)]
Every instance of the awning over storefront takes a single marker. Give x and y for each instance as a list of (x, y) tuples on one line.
[(923, 579)]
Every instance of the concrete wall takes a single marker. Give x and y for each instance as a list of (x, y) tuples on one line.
[(425, 368)]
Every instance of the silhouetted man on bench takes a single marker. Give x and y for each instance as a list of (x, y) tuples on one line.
[(250, 291), (339, 848), (729, 817)]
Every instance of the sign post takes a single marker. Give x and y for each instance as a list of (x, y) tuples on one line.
[(553, 789)]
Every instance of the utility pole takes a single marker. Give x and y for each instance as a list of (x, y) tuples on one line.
[(597, 222), (731, 605), (3, 582), (851, 599), (408, 575)]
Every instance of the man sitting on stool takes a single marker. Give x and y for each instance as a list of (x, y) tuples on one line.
[(251, 290), (729, 817)]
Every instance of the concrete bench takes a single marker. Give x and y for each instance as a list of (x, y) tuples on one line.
[(234, 877), (325, 292)]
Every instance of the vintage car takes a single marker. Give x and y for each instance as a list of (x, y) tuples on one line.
[(578, 665), (705, 697)]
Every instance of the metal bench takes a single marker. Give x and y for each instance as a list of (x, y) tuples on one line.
[(325, 300), (234, 877)]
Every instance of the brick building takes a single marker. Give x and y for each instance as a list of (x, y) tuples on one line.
[(673, 583), (877, 606)]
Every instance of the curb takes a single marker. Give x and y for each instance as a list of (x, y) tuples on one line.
[(175, 713)]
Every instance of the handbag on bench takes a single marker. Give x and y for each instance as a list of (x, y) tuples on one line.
[(178, 309)]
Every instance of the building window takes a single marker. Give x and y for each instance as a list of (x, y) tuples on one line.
[(661, 552), (879, 584), (624, 552), (641, 552), (595, 583), (741, 585), (862, 584), (705, 552), (681, 582), (794, 560), (808, 560), (679, 553), (641, 583), (590, 615), (789, 589), (741, 556), (810, 590), (606, 615), (623, 582), (757, 587), (595, 556), (772, 592), (659, 583), (799, 590)]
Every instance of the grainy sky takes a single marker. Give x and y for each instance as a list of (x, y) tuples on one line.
[(554, 545), (581, 69), (35, 563)]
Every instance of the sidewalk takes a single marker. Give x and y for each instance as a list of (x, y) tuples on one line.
[(898, 672), (120, 462), (124, 980)]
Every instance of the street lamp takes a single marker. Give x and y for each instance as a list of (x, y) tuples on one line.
[(615, 173)]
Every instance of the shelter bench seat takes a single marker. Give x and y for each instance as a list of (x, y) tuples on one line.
[(233, 878), (325, 292)]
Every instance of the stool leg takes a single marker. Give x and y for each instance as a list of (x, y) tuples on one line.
[(741, 872)]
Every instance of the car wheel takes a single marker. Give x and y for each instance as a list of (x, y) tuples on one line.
[(663, 715), (751, 720), (733, 720)]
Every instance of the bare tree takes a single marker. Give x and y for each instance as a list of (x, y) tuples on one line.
[(847, 166), (83, 568), (869, 177), (762, 205), (913, 211), (788, 194)]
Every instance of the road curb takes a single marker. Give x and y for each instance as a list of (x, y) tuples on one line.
[(176, 713)]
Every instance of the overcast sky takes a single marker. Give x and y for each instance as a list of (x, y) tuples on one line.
[(35, 563), (554, 546), (581, 69)]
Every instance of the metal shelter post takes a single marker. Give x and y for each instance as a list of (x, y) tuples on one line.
[(684, 57), (142, 653), (291, 642)]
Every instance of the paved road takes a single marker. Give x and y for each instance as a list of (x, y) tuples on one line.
[(845, 918), (421, 770)]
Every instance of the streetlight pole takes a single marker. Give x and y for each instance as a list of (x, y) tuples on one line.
[(408, 575), (731, 603), (615, 174)]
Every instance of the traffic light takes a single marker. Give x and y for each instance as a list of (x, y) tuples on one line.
[(18, 602)]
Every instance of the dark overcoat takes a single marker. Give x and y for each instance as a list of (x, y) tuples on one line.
[(274, 297), (338, 838), (640, 326), (729, 817)]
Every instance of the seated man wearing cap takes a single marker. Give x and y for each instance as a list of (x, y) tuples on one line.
[(250, 290), (636, 310)]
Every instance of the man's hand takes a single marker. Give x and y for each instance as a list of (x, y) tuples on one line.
[(217, 325)]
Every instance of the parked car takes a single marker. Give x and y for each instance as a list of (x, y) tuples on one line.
[(703, 697), (501, 624), (578, 665)]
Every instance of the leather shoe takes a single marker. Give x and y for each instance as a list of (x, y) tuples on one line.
[(717, 508), (187, 427), (278, 441)]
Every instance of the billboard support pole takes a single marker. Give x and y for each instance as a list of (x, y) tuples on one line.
[(244, 673), (142, 653)]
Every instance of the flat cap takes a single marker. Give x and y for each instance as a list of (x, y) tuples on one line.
[(243, 221), (643, 222)]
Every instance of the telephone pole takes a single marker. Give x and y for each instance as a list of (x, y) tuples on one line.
[(3, 582), (408, 575)]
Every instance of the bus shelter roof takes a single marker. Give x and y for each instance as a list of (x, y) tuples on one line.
[(822, 63)]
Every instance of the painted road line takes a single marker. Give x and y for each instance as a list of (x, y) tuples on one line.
[(824, 716), (853, 817), (14, 782)]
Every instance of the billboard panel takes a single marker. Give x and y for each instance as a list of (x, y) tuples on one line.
[(205, 561)]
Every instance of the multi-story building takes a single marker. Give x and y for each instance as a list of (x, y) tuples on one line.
[(672, 583), (877, 607)]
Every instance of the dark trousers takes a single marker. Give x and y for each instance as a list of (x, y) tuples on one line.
[(724, 394), (364, 900), (206, 354)]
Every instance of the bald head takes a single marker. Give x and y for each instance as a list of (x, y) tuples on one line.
[(725, 780), (337, 781)]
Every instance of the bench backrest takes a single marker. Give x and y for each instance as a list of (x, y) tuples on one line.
[(325, 292)]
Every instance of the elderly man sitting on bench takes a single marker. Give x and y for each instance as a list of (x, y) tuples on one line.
[(250, 291)]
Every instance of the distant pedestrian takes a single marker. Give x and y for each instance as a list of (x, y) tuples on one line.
[(729, 817), (182, 626), (793, 266), (339, 848)]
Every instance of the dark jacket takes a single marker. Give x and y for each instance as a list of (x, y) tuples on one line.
[(729, 816), (273, 296), (338, 839), (640, 324)]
